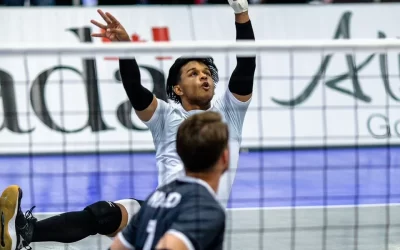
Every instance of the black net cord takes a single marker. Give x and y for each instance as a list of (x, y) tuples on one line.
[(262, 214), (353, 75), (99, 181), (293, 154), (228, 240), (28, 116), (64, 138), (388, 164), (325, 158)]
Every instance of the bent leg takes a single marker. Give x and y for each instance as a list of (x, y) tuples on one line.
[(20, 230), (99, 217), (103, 217), (129, 207)]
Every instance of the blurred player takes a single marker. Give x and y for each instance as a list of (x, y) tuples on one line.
[(185, 213), (191, 83)]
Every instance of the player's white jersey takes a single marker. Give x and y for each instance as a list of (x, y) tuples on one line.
[(164, 126)]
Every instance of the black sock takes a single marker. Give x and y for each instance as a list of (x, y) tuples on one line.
[(66, 228)]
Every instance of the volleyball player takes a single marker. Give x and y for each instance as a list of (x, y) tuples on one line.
[(191, 84), (185, 214)]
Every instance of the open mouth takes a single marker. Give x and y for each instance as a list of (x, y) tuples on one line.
[(205, 86)]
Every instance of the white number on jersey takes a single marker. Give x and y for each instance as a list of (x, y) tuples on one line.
[(151, 230)]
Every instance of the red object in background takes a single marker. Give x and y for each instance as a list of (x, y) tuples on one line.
[(136, 39), (161, 34), (104, 39)]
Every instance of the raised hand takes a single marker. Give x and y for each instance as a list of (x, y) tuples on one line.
[(239, 6), (113, 30)]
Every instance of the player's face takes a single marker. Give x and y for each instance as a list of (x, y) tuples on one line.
[(196, 85)]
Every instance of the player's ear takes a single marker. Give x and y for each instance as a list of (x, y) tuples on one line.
[(178, 90), (225, 159)]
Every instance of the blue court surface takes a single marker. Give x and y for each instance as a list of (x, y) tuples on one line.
[(284, 178)]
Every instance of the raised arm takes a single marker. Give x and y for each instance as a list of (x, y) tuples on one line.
[(142, 100), (242, 79)]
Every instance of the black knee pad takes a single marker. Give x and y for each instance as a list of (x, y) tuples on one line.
[(108, 216)]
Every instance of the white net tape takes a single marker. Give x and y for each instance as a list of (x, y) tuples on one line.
[(205, 47)]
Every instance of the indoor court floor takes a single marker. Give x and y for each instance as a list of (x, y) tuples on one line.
[(305, 199)]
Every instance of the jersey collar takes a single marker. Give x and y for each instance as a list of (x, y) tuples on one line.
[(200, 182), (195, 111)]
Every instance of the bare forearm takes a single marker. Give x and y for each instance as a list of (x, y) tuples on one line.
[(242, 17)]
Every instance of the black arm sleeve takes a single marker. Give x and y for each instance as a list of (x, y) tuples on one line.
[(139, 96), (242, 78)]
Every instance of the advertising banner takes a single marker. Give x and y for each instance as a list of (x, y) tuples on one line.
[(62, 103)]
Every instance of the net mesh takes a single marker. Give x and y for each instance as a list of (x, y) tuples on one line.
[(319, 158)]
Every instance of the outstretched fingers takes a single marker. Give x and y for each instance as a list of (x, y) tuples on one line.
[(112, 29), (104, 16), (100, 25), (112, 18), (98, 35)]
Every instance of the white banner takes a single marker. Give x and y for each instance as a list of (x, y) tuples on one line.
[(65, 103)]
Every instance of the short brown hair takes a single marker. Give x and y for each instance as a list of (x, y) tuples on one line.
[(200, 141)]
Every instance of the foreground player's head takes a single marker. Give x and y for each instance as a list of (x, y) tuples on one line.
[(202, 144), (191, 81)]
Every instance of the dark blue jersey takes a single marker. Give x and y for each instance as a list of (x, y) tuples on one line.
[(186, 208)]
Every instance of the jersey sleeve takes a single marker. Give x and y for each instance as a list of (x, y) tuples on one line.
[(200, 225), (233, 110), (157, 122), (128, 235)]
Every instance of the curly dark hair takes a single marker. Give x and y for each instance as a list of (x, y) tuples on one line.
[(174, 74)]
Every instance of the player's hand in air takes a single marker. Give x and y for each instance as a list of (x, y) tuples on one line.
[(239, 6), (113, 30)]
